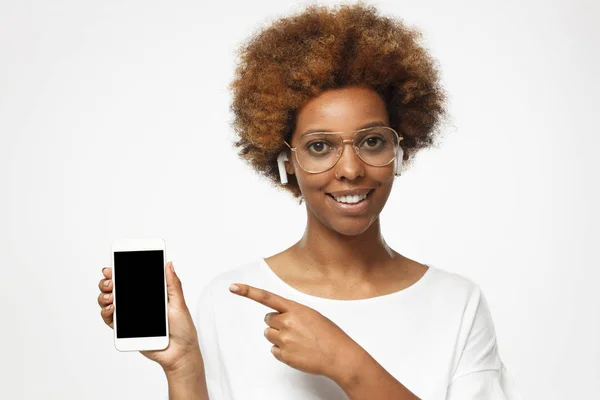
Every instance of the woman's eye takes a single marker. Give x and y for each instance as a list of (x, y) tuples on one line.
[(372, 141), (317, 147)]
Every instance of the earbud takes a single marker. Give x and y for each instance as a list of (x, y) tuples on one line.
[(399, 158), (281, 165)]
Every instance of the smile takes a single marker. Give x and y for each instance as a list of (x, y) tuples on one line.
[(351, 204), (351, 199)]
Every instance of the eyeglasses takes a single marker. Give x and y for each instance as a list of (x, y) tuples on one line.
[(319, 151)]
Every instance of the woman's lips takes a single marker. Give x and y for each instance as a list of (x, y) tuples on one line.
[(351, 208)]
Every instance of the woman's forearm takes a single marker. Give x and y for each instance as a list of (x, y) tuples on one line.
[(188, 381), (361, 377)]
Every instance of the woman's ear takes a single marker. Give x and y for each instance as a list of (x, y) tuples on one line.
[(289, 167)]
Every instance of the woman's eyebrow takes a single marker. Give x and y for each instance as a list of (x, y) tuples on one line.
[(367, 125)]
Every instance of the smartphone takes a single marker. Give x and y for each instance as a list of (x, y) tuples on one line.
[(140, 294)]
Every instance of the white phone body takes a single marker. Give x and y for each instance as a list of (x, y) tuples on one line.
[(140, 294)]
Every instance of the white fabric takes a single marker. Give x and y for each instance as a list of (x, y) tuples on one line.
[(436, 337)]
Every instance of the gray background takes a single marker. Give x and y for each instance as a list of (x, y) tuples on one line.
[(114, 122)]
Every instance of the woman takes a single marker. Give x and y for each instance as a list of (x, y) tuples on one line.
[(329, 105)]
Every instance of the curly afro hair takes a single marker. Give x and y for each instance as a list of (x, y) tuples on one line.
[(299, 57)]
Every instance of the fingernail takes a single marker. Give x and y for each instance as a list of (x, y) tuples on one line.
[(106, 296), (108, 306), (233, 288), (172, 267), (106, 283)]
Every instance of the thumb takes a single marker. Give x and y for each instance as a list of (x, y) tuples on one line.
[(174, 289)]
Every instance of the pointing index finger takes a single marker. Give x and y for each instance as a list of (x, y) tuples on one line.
[(264, 297)]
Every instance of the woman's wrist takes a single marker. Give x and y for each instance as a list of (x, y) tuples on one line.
[(188, 365), (186, 379), (347, 366)]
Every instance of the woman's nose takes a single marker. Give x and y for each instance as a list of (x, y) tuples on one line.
[(349, 165)]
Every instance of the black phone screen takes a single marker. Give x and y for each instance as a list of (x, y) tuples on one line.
[(139, 293)]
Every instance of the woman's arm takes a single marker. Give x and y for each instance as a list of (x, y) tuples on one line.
[(363, 378), (187, 381)]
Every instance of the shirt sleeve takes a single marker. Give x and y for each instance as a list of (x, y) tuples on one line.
[(209, 346), (480, 373)]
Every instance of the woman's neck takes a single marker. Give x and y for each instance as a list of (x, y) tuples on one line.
[(329, 254)]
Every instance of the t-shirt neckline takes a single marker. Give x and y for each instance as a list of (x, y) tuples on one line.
[(400, 293)]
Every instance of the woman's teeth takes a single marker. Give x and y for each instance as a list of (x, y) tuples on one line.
[(350, 199)]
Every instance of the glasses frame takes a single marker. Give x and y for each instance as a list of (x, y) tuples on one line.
[(344, 141)]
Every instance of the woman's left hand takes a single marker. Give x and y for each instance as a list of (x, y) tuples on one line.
[(302, 337)]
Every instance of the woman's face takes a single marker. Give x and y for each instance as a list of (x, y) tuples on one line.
[(343, 110)]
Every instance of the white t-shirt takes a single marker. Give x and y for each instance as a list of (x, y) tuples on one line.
[(436, 337)]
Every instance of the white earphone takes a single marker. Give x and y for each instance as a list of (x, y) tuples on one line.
[(399, 157), (281, 165), (283, 157)]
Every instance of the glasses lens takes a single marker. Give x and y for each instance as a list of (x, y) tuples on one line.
[(376, 146), (317, 152)]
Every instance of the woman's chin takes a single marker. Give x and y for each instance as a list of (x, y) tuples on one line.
[(351, 227), (348, 222)]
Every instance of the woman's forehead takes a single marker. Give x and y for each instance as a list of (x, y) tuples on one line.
[(341, 110)]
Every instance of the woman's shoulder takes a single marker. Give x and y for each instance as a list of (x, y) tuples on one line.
[(450, 279), (449, 285)]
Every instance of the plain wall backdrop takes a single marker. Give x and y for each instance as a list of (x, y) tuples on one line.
[(114, 122)]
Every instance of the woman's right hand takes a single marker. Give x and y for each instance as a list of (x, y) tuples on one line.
[(183, 338)]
